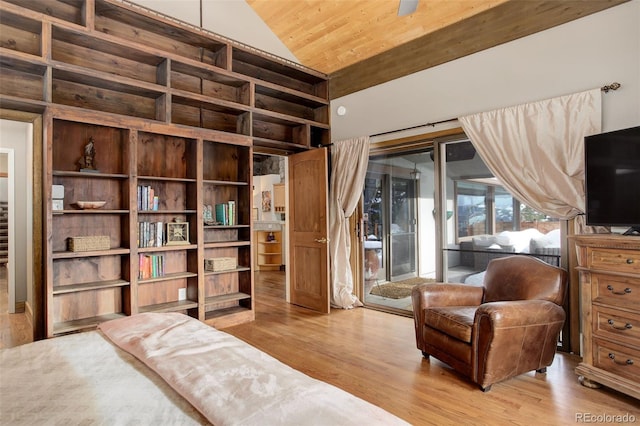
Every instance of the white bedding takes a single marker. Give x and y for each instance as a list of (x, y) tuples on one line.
[(83, 379), (233, 383), (86, 379)]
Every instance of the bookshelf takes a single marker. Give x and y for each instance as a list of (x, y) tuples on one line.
[(268, 254), (172, 108)]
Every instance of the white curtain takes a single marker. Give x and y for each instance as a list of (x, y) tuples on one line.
[(349, 160), (536, 150)]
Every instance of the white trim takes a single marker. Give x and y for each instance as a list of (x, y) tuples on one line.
[(11, 264)]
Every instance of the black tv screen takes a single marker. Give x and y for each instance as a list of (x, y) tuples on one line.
[(612, 178)]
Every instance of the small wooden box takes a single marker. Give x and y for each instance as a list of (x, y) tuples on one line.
[(90, 243), (218, 264)]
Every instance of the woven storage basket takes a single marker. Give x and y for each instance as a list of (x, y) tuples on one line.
[(99, 242), (218, 264)]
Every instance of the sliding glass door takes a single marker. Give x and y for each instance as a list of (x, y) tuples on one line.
[(403, 228), (399, 240)]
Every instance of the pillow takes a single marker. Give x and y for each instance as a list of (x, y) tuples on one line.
[(483, 242), (518, 240), (550, 240)]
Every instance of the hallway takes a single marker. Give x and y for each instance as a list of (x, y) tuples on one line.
[(14, 328)]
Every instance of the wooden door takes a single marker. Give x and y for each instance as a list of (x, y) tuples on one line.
[(308, 226)]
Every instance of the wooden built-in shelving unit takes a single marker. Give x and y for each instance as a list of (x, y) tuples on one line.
[(171, 107)]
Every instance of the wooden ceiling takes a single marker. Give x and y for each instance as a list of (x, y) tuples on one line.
[(328, 35), (361, 43)]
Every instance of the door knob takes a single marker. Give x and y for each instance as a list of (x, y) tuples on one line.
[(322, 240)]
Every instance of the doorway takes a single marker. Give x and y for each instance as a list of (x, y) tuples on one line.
[(16, 145), (398, 227), (270, 225), (7, 218)]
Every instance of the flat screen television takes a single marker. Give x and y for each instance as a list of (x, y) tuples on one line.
[(612, 179)]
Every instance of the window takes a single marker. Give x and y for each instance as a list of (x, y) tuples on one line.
[(484, 207)]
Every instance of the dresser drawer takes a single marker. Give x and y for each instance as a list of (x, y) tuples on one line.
[(616, 359), (617, 325), (615, 290), (614, 260)]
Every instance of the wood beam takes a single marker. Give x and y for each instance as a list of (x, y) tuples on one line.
[(503, 23)]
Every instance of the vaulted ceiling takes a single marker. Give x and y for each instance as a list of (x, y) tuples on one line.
[(361, 43)]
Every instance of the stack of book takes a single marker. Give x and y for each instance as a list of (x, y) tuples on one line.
[(147, 200), (151, 266), (150, 234), (226, 213)]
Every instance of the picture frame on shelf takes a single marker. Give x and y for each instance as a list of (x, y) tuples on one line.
[(177, 233)]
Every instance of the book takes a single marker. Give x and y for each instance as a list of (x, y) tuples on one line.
[(232, 213), (222, 214)]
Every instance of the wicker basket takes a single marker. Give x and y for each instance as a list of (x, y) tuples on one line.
[(91, 243), (218, 264)]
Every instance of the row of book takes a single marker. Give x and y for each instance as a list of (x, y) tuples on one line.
[(226, 213), (150, 234), (151, 266), (147, 199)]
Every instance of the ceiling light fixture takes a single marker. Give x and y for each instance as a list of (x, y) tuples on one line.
[(341, 110), (407, 7), (415, 174)]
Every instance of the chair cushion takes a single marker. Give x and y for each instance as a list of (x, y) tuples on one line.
[(454, 321)]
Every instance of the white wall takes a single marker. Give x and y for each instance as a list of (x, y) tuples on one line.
[(265, 183), (18, 136), (233, 19), (4, 168), (583, 54)]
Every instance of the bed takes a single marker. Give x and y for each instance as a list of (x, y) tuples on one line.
[(166, 369)]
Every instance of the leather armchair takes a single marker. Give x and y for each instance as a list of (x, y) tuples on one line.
[(508, 326)]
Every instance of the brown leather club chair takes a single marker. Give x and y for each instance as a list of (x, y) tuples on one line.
[(508, 326)]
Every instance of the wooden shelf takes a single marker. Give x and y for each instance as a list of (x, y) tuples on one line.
[(179, 305), (227, 244), (93, 253), (169, 106), (268, 253), (167, 248), (214, 300), (228, 271), (83, 323), (96, 285), (168, 277), (90, 211), (86, 175)]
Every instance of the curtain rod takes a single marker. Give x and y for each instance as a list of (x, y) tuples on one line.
[(605, 89)]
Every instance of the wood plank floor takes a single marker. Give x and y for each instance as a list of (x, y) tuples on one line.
[(372, 354), (15, 329)]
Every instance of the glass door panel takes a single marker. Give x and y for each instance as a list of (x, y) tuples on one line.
[(399, 228), (403, 227)]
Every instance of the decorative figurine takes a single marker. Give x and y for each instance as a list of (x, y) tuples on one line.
[(87, 161)]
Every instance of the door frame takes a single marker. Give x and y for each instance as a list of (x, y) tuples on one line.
[(11, 202), (35, 310)]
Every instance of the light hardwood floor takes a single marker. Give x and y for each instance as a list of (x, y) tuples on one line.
[(372, 354), (14, 328)]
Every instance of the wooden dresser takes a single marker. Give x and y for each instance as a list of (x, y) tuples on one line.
[(609, 268)]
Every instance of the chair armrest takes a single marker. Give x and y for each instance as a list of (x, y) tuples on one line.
[(511, 338), (441, 294), (519, 313), (445, 294)]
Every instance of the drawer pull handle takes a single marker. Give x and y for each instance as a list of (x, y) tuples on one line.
[(621, 293), (612, 323), (613, 358), (629, 261)]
